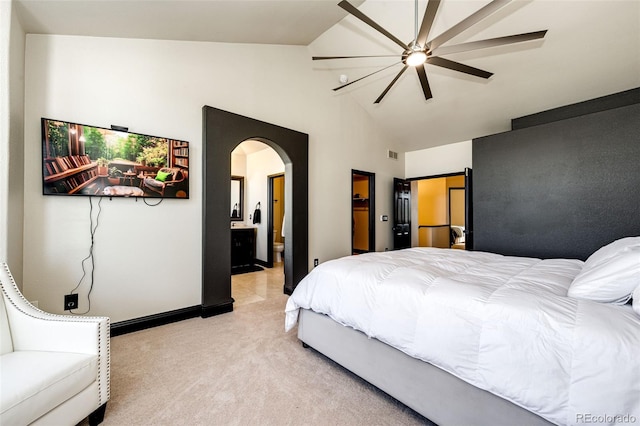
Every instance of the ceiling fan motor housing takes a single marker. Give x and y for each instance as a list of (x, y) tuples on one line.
[(417, 54)]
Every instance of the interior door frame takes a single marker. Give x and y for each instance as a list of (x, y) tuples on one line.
[(372, 210), (270, 180), (468, 208)]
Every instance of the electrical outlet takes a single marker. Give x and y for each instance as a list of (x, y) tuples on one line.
[(70, 302), (315, 262)]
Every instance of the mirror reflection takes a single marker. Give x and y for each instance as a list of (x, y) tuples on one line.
[(237, 197)]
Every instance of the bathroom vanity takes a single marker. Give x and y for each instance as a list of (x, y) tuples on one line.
[(243, 246)]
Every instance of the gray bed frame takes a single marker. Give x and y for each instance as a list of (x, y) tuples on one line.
[(437, 395)]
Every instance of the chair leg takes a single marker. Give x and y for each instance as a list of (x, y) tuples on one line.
[(97, 416)]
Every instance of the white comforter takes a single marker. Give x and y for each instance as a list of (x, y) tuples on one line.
[(504, 324)]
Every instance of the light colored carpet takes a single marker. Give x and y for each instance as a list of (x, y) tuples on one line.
[(238, 368)]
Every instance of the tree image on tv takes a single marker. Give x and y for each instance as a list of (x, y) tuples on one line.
[(58, 140), (154, 152), (95, 145)]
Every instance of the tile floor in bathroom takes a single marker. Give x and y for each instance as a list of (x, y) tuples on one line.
[(257, 286)]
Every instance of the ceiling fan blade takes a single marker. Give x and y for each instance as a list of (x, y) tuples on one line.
[(457, 66), (321, 58), (364, 18), (362, 78), (492, 42), (422, 75), (427, 22), (467, 22), (391, 84)]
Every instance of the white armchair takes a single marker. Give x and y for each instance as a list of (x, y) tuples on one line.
[(54, 369)]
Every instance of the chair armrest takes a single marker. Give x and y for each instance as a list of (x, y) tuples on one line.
[(36, 330), (177, 180)]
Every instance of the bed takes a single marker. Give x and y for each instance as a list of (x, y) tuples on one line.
[(467, 337)]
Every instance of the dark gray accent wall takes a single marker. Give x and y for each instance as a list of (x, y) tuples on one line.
[(222, 132), (561, 189)]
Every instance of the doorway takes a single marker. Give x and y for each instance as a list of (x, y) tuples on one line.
[(440, 211), (363, 208), (433, 211), (255, 277)]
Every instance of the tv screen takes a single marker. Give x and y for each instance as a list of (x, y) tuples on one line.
[(87, 160)]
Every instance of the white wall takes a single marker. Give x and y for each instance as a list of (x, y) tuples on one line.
[(438, 160), (356, 146), (12, 42), (238, 163), (5, 89), (239, 168), (149, 258)]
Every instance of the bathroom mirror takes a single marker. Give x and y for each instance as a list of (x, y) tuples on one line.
[(237, 198)]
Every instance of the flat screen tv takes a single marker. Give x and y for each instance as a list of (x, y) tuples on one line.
[(94, 161)]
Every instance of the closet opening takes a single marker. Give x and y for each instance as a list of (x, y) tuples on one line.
[(363, 209)]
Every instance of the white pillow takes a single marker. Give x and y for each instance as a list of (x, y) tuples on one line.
[(611, 249), (611, 279), (636, 300)]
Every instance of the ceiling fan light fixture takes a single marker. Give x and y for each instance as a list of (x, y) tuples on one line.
[(415, 58)]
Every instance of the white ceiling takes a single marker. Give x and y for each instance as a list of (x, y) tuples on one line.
[(289, 22), (249, 147), (592, 49)]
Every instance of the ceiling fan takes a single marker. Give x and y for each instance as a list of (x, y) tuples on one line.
[(419, 51)]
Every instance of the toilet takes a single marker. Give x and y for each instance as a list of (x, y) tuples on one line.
[(278, 248)]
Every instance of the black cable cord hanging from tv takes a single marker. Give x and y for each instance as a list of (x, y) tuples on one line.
[(152, 205), (92, 230)]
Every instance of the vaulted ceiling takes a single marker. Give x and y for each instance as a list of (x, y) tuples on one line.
[(592, 49)]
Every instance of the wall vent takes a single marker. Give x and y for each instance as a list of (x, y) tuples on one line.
[(392, 154)]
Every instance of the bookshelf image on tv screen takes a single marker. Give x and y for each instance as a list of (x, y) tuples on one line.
[(86, 160)]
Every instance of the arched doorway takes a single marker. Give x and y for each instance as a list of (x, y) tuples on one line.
[(222, 132)]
